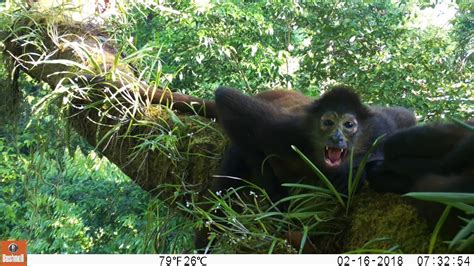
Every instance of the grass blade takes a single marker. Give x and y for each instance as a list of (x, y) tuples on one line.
[(320, 175), (438, 227)]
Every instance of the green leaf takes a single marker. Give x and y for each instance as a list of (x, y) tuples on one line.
[(320, 175), (443, 197), (466, 231)]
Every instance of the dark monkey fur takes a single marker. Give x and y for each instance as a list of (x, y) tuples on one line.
[(429, 158), (263, 128)]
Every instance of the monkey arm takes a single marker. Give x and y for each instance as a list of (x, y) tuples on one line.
[(436, 148), (241, 115), (429, 141), (181, 102), (258, 124), (427, 158), (461, 157)]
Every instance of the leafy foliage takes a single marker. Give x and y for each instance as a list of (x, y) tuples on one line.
[(377, 47), (67, 201)]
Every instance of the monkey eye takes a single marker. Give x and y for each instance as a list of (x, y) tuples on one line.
[(328, 123), (348, 124)]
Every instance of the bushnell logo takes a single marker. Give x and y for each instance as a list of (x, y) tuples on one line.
[(13, 253), (13, 247)]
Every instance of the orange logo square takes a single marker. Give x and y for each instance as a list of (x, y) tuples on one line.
[(13, 253)]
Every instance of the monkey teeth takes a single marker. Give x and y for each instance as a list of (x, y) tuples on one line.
[(333, 156), (327, 148)]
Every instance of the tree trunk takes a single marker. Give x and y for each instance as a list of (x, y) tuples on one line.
[(112, 109)]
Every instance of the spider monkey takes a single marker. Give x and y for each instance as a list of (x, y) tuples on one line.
[(182, 103), (429, 158), (263, 128), (268, 123)]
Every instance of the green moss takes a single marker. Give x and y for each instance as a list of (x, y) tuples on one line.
[(390, 217), (197, 144)]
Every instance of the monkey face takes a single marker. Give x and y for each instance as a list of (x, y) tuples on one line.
[(338, 131)]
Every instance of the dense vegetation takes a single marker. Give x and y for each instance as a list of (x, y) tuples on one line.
[(59, 194)]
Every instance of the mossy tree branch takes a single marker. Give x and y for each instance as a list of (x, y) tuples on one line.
[(112, 108)]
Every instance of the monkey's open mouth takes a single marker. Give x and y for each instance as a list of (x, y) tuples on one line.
[(334, 156)]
